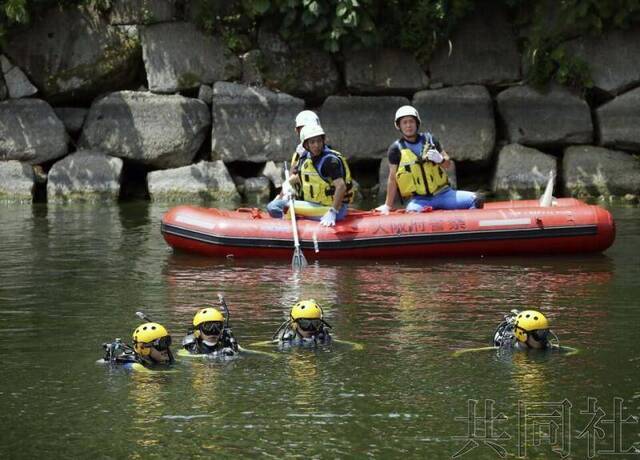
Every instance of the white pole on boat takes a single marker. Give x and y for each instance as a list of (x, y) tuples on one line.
[(546, 200), (298, 260)]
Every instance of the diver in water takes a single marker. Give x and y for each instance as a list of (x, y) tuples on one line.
[(523, 331), (151, 349), (306, 325), (210, 335)]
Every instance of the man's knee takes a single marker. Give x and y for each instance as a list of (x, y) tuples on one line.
[(478, 201)]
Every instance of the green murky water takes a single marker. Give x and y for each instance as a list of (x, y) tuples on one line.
[(71, 278)]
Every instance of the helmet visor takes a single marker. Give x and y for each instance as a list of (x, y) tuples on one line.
[(540, 334), (161, 344), (310, 324), (211, 327)]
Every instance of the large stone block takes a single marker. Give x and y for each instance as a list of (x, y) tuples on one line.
[(72, 52), (596, 171), (555, 118), (304, 72), (619, 121), (200, 181), (178, 56), (17, 182), (163, 131), (253, 124), (612, 59), (388, 70), (461, 118), (360, 126), (483, 51), (18, 85), (522, 172), (30, 131), (85, 176)]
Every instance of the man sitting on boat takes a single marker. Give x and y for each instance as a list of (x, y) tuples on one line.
[(279, 203), (322, 180), (417, 164), (209, 336), (150, 351)]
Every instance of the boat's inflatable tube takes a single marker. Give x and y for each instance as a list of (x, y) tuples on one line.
[(501, 228)]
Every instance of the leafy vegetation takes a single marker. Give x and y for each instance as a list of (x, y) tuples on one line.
[(415, 25)]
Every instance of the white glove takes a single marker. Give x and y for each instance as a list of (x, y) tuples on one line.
[(435, 156), (288, 190), (383, 209), (329, 218)]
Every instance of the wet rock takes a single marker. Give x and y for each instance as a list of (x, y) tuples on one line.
[(163, 131), (30, 131), (200, 181), (390, 71), (72, 52), (17, 83), (17, 181), (551, 119), (124, 12), (619, 121), (360, 126), (85, 176), (612, 59), (461, 118), (257, 190), (253, 124), (72, 118), (596, 171), (522, 172), (177, 56), (483, 51)]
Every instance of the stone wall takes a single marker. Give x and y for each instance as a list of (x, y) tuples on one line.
[(85, 95)]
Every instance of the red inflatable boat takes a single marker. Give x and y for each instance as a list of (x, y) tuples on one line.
[(501, 228)]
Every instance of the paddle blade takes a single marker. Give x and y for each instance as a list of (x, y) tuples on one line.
[(298, 260)]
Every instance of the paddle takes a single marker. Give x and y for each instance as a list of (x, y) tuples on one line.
[(298, 260)]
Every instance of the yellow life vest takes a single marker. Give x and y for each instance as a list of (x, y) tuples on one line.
[(414, 172), (318, 189)]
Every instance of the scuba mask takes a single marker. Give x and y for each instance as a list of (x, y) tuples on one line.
[(211, 328), (540, 335), (161, 344), (310, 325)]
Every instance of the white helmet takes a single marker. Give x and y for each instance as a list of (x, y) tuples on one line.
[(307, 117), (406, 111), (310, 131)]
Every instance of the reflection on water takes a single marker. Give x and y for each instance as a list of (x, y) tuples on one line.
[(71, 278)]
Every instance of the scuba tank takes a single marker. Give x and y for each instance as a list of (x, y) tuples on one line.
[(504, 335)]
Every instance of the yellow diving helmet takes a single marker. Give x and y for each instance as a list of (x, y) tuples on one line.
[(529, 322), (306, 309), (307, 315), (208, 321), (149, 335)]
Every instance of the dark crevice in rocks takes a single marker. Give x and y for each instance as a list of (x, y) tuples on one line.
[(134, 181), (204, 152), (244, 169), (474, 177)]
